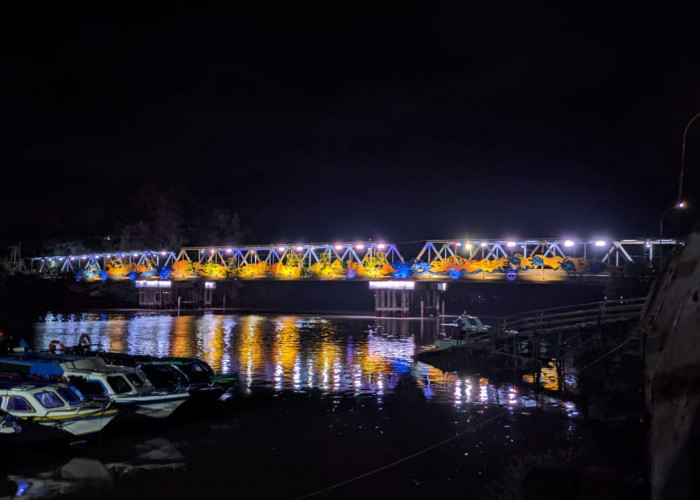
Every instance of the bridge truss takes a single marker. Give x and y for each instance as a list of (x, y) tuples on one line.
[(534, 259)]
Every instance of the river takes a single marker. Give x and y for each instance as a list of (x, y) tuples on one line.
[(327, 407)]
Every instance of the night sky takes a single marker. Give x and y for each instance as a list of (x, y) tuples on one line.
[(412, 121)]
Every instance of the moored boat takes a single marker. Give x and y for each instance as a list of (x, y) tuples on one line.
[(35, 411), (190, 372), (463, 331), (127, 387)]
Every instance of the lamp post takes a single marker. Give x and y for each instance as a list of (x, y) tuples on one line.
[(679, 200), (680, 179), (678, 206)]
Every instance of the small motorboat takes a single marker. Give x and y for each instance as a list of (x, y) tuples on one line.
[(128, 387), (463, 331), (35, 411), (190, 372)]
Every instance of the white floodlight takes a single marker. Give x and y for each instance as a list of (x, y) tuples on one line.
[(510, 244), (392, 285), (381, 246), (568, 243), (600, 243)]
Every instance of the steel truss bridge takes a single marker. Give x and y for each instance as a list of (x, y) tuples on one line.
[(544, 260)]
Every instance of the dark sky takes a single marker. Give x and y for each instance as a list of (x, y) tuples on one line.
[(415, 120)]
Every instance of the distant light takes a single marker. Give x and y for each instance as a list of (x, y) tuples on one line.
[(163, 253), (300, 248), (381, 246), (681, 205), (211, 250), (568, 243), (108, 256), (646, 243), (84, 256), (392, 285), (60, 258), (209, 284), (152, 284), (510, 244), (339, 247), (483, 244), (281, 249), (600, 243), (135, 254), (229, 250), (468, 246), (360, 246), (458, 244), (72, 258)]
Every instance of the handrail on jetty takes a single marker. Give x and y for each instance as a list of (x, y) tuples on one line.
[(567, 317)]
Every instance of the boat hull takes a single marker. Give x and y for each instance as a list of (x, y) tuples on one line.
[(152, 407)]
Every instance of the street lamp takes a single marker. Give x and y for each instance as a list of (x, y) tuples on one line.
[(680, 179), (678, 206)]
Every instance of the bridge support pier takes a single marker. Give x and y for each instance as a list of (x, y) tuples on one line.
[(186, 294), (425, 299), (392, 302)]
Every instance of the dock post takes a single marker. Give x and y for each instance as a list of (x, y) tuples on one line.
[(178, 305)]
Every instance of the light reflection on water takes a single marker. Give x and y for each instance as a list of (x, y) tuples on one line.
[(337, 355)]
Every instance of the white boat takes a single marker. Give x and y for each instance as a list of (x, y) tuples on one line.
[(128, 386), (463, 331), (42, 411), (125, 386)]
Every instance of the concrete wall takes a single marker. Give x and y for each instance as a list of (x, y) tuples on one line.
[(670, 325)]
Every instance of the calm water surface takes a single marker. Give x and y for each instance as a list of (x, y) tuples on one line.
[(336, 355), (325, 402)]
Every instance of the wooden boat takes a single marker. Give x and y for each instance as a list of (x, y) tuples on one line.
[(35, 411)]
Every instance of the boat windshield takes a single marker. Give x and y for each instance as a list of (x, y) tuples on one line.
[(195, 372), (18, 403), (48, 399), (119, 384), (161, 376), (70, 395)]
